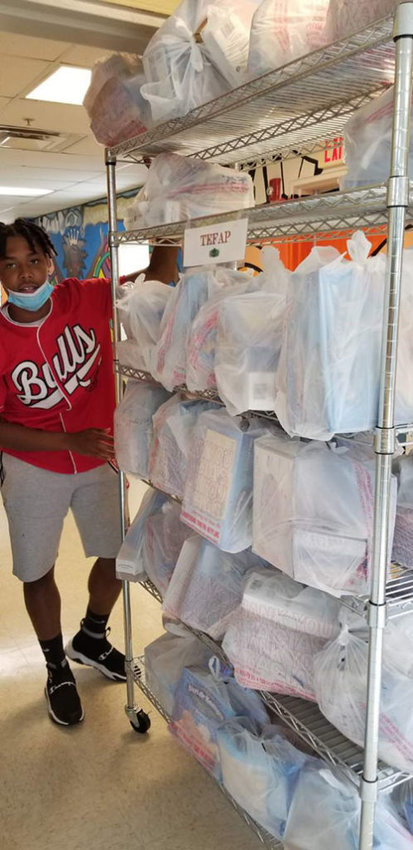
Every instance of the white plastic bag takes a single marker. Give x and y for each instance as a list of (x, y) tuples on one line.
[(141, 307), (329, 369), (129, 565), (269, 657), (325, 814), (173, 430), (178, 188), (284, 30), (260, 771), (340, 683), (226, 37), (403, 531), (404, 802), (274, 596), (133, 426), (203, 701), (201, 341), (162, 542), (169, 361), (113, 101), (218, 488), (206, 585), (179, 73), (313, 512), (165, 659), (348, 16)]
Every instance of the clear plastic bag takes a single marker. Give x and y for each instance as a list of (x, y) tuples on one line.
[(274, 596), (218, 488), (226, 37), (340, 683), (178, 188), (284, 30), (113, 101), (348, 16), (329, 370), (133, 426), (169, 361), (141, 307), (269, 657), (129, 566), (206, 586), (325, 814), (203, 701), (404, 802), (165, 659), (313, 512), (260, 771), (173, 430), (178, 70), (162, 542), (201, 341), (403, 532)]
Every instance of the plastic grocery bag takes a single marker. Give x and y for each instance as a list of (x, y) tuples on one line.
[(340, 683), (173, 430), (404, 802), (203, 701), (226, 36), (133, 426), (313, 511), (249, 336), (348, 16), (276, 597), (403, 531), (269, 657), (325, 813), (113, 101), (398, 644), (165, 659), (178, 188), (162, 542), (283, 31), (141, 307), (169, 361), (367, 143), (201, 340), (217, 499), (260, 771), (329, 370), (206, 585), (129, 565)]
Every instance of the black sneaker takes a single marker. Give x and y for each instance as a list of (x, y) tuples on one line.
[(96, 651), (63, 701)]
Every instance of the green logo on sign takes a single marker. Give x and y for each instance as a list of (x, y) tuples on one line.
[(214, 252)]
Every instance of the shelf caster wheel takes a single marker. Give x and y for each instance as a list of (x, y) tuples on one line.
[(141, 722)]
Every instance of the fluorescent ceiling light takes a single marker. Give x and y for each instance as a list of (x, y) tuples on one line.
[(66, 85), (24, 192)]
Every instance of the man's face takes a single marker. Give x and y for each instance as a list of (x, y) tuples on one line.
[(22, 269)]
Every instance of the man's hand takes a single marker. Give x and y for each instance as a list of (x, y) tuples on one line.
[(94, 442)]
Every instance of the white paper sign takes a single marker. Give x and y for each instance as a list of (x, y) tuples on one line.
[(218, 243)]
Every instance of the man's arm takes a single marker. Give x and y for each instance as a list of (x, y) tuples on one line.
[(163, 265), (92, 442)]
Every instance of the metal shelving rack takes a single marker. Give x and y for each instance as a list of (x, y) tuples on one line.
[(288, 111)]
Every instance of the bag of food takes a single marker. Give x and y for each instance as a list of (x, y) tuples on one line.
[(349, 16), (141, 307), (403, 531), (226, 37), (165, 659), (129, 565), (284, 30), (133, 426), (113, 101), (162, 541)]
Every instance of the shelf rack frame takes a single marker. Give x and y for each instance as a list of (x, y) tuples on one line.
[(275, 125)]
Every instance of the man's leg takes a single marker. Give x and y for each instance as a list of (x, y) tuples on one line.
[(104, 588), (42, 600)]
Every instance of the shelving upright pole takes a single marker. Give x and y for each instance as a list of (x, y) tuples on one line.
[(398, 198), (110, 163)]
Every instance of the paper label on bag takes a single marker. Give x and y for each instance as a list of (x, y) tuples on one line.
[(218, 243)]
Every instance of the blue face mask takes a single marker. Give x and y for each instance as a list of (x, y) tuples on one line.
[(31, 300)]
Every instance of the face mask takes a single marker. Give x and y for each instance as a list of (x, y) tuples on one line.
[(31, 300)]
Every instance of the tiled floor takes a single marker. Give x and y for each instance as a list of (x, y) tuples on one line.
[(98, 785)]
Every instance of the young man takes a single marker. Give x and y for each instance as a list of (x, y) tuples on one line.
[(56, 434)]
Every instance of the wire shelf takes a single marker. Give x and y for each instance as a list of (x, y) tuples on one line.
[(332, 82), (138, 664), (136, 374), (313, 218)]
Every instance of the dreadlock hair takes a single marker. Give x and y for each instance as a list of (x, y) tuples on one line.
[(34, 235)]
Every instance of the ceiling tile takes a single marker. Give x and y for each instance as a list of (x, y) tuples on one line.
[(32, 48), (17, 74), (88, 145), (47, 116), (85, 56), (44, 159)]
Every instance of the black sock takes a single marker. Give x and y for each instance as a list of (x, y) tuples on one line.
[(53, 650), (95, 624)]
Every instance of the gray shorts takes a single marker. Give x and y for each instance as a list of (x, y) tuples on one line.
[(36, 503)]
